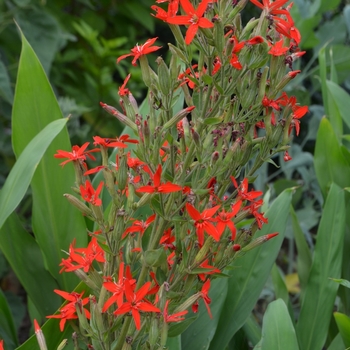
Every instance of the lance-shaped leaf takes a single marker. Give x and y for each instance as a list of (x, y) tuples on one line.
[(25, 258), (55, 222), (317, 305), (22, 172), (249, 278), (278, 332)]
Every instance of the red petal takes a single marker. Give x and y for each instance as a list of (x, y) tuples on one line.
[(193, 212)]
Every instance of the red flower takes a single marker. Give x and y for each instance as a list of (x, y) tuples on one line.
[(83, 257), (167, 239), (123, 91), (277, 49), (234, 62), (1, 345), (178, 317), (270, 7), (224, 219), (89, 194), (68, 311), (287, 157), (139, 226), (259, 217), (139, 51), (202, 222), (243, 190), (204, 294), (194, 18), (211, 269), (136, 303), (117, 288), (77, 154), (158, 186)]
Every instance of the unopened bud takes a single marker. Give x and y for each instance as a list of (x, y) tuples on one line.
[(236, 247), (122, 173), (96, 316), (83, 322), (177, 117), (63, 344), (120, 116), (78, 204), (259, 241), (154, 332), (163, 77), (39, 336), (215, 157)]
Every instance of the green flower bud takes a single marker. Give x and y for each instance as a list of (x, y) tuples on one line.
[(163, 77)]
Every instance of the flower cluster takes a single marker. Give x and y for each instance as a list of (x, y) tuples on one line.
[(173, 220)]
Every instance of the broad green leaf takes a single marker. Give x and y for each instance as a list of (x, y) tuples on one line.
[(330, 163), (7, 326), (55, 223), (320, 293), (278, 332), (174, 343), (337, 343), (25, 259), (304, 258), (22, 172), (248, 280), (343, 323), (340, 101), (199, 334)]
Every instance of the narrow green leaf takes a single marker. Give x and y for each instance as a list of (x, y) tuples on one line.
[(7, 327), (341, 281), (278, 330), (343, 323), (25, 259), (330, 163), (252, 330), (323, 74), (199, 334), (55, 222), (22, 172), (248, 280), (340, 101), (304, 258), (320, 293)]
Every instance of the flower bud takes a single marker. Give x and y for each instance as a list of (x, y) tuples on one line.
[(78, 204), (96, 316), (259, 241), (62, 344), (153, 332), (163, 77), (39, 336), (120, 116), (179, 116), (122, 173)]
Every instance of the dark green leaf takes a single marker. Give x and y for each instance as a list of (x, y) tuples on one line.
[(55, 222), (7, 327), (278, 332), (320, 293), (21, 174), (249, 279)]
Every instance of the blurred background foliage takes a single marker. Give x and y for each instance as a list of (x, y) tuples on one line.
[(78, 42)]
